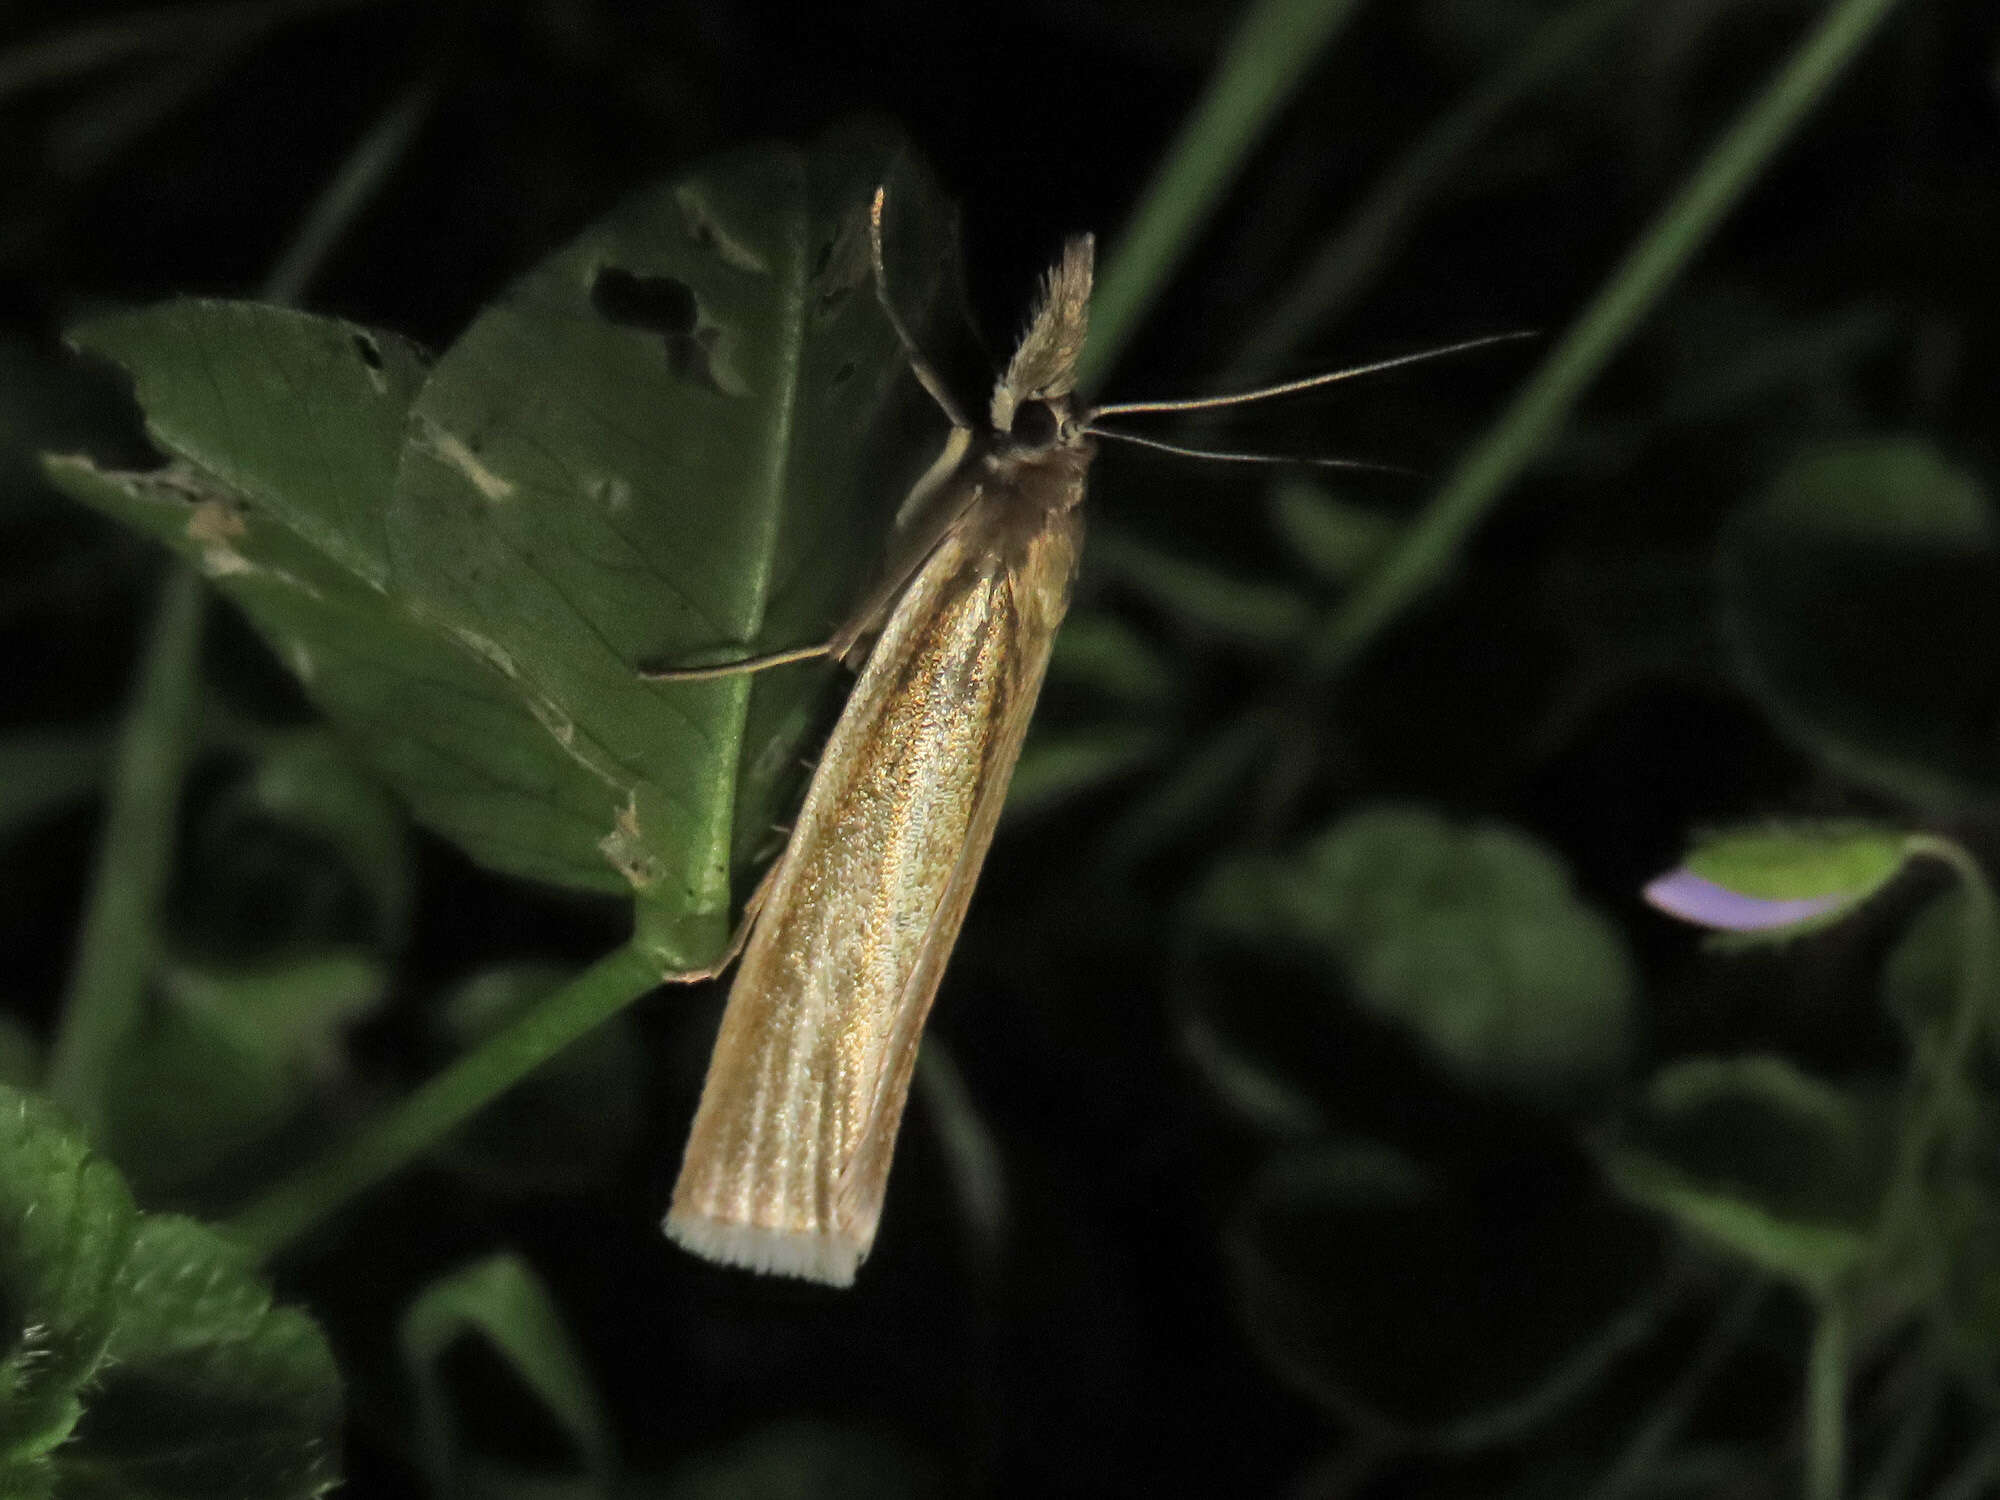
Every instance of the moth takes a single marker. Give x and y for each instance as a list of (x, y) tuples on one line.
[(846, 939)]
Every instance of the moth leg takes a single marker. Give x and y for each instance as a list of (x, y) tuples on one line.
[(920, 366), (747, 665), (737, 939)]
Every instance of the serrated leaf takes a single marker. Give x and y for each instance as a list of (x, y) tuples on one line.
[(680, 439), (1470, 936), (1862, 589), (143, 1360), (66, 1225), (209, 1391), (442, 727), (1759, 1159), (502, 1301)]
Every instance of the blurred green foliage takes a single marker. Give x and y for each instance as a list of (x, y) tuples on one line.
[(1324, 1113)]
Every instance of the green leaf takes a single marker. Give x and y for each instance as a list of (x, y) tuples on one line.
[(1862, 590), (66, 1225), (1469, 936), (502, 1301), (679, 440), (263, 394), (224, 1057), (1463, 1314), (208, 1391), (143, 1359), (1757, 1158)]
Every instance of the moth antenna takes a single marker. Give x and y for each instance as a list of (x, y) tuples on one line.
[(1310, 382), (1224, 456), (920, 365)]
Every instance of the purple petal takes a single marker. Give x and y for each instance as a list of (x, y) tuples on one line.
[(1683, 894)]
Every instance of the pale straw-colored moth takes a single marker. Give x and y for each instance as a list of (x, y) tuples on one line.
[(845, 940)]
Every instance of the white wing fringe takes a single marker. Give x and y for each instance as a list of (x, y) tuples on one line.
[(811, 1255)]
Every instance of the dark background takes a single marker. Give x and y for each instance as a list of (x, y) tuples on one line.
[(1096, 1348)]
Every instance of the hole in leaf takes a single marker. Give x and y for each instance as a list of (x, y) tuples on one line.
[(659, 304), (369, 350), (667, 306)]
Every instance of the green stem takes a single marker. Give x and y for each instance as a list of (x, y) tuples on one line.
[(358, 178), (1669, 1417), (1273, 46), (417, 1123), (1978, 1003), (1826, 1402), (1370, 235), (121, 913), (1428, 549)]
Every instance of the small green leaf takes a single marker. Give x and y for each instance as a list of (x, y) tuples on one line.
[(143, 1360), (1471, 937), (1759, 1159), (502, 1301), (1862, 589), (66, 1225), (208, 1391)]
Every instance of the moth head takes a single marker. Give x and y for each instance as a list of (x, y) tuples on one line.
[(1031, 402)]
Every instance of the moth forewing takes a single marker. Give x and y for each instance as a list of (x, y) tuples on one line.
[(789, 1154)]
